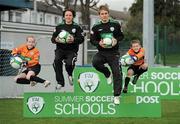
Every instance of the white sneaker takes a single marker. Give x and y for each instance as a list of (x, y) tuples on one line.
[(70, 80), (46, 83), (109, 79), (58, 87), (33, 83), (116, 100)]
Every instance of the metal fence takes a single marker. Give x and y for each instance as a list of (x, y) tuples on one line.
[(5, 67), (167, 42)]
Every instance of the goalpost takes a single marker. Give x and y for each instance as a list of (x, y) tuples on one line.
[(148, 30)]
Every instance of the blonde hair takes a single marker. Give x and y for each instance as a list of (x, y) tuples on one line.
[(30, 37), (135, 41), (103, 7)]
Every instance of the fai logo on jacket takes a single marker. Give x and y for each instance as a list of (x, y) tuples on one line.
[(88, 81), (112, 28), (73, 30), (35, 104)]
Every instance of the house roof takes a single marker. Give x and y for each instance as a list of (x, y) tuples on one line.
[(46, 8), (119, 14)]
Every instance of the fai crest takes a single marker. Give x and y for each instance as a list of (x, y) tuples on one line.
[(35, 104), (112, 28), (88, 81)]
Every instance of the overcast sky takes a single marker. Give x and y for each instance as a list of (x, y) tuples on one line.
[(117, 4)]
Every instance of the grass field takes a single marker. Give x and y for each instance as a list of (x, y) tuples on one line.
[(173, 59), (170, 59), (11, 112)]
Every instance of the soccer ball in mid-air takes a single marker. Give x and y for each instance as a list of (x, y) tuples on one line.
[(16, 62), (126, 60), (62, 36)]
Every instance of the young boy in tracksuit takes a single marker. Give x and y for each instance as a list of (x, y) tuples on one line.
[(138, 67), (30, 55)]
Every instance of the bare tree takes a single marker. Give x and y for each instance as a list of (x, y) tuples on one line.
[(85, 10), (59, 4), (85, 6)]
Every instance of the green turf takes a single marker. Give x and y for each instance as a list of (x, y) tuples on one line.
[(173, 59), (11, 112), (170, 59)]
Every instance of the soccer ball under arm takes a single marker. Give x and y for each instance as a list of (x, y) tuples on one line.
[(126, 60)]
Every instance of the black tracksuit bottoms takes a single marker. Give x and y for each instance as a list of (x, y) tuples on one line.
[(69, 58), (112, 59)]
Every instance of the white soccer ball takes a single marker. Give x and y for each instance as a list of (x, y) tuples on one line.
[(62, 36), (126, 60), (16, 62), (107, 42)]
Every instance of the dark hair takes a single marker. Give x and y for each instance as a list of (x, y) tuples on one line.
[(103, 7), (71, 10)]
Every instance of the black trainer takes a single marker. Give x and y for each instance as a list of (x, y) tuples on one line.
[(135, 79), (125, 90)]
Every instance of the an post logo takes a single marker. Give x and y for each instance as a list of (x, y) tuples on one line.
[(147, 99), (88, 81), (35, 104)]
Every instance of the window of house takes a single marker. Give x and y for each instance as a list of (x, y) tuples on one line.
[(41, 18), (33, 17), (48, 19), (10, 16), (2, 15), (18, 16), (80, 20), (56, 20)]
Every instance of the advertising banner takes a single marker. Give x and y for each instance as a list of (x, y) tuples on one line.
[(71, 105), (164, 82), (93, 97)]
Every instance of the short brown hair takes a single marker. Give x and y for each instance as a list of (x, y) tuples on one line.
[(71, 10), (135, 41), (103, 7)]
